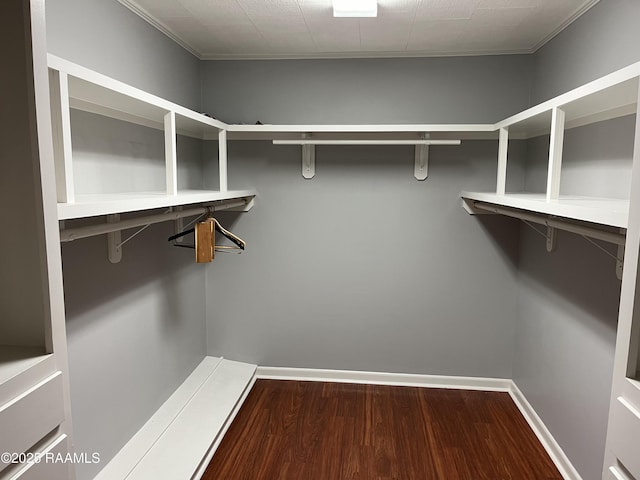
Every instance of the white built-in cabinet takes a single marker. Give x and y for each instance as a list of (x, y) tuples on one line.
[(34, 400), (44, 182)]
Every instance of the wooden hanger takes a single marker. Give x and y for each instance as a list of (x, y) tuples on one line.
[(205, 240)]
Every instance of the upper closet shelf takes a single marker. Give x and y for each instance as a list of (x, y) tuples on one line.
[(609, 97), (603, 211), (364, 132), (106, 204), (92, 92)]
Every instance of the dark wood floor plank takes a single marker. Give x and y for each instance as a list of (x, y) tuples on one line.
[(289, 430)]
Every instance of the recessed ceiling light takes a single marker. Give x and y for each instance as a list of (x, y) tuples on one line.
[(355, 8)]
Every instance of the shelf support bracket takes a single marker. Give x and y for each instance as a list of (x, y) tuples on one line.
[(552, 239), (308, 159), (620, 262), (421, 168), (178, 225), (114, 244)]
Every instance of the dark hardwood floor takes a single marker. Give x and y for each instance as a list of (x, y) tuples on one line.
[(333, 431)]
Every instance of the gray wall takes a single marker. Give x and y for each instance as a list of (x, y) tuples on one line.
[(363, 267), (567, 313), (135, 329), (603, 40), (106, 37), (401, 90), (568, 300)]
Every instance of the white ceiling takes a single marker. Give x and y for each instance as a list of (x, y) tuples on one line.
[(215, 29)]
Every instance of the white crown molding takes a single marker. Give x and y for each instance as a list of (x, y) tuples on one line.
[(347, 55), (560, 459), (574, 16), (142, 13)]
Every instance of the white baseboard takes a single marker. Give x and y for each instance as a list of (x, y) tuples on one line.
[(562, 462), (378, 378)]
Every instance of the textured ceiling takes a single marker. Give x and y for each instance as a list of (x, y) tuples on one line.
[(307, 29)]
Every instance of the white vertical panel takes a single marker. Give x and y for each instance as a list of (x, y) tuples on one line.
[(222, 159), (555, 154), (61, 126), (170, 153), (628, 330), (503, 147)]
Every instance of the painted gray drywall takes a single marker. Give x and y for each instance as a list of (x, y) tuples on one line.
[(22, 307), (598, 158), (135, 329), (363, 267), (401, 90), (105, 36), (111, 156), (603, 40), (567, 310)]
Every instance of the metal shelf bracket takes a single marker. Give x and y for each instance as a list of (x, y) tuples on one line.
[(308, 159), (114, 240), (552, 239), (421, 169)]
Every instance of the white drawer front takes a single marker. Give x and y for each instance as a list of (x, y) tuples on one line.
[(26, 419), (625, 435), (51, 465)]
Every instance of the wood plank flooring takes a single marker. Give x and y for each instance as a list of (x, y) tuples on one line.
[(336, 431)]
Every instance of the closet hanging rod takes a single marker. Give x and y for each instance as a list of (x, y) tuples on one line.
[(554, 222), (70, 234), (366, 142)]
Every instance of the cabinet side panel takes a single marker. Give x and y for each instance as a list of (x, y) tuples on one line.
[(21, 293)]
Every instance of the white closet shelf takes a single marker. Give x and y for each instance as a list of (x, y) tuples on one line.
[(96, 93), (603, 211), (106, 204), (614, 95), (381, 132)]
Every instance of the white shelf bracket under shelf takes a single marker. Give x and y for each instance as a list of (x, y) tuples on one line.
[(421, 167), (308, 161), (620, 262), (421, 151), (114, 240), (552, 239)]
